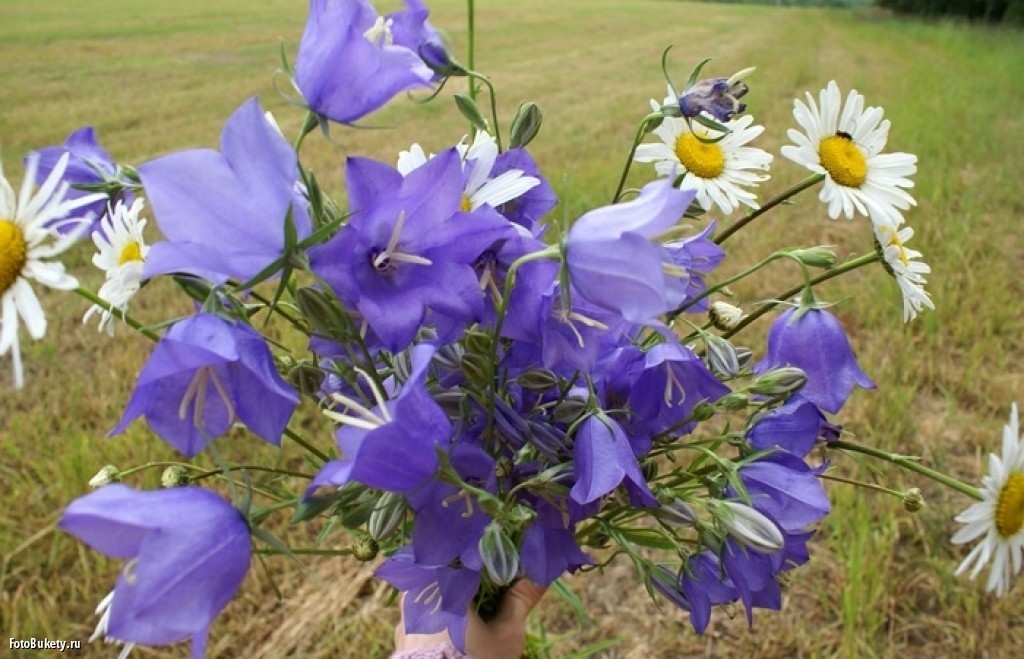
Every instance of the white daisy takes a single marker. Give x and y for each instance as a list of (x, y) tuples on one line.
[(122, 253), (25, 244), (999, 518), (901, 262), (477, 160), (844, 142), (720, 171)]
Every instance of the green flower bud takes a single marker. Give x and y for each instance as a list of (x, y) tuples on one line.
[(365, 548), (676, 512), (538, 379), (913, 500), (735, 401), (816, 257), (324, 314), (525, 125), (387, 516), (499, 555), (105, 476), (174, 476), (780, 381), (306, 378), (721, 356)]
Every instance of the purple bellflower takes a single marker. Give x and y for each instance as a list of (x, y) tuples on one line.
[(407, 248), (393, 446), (794, 427), (813, 340), (349, 62), (603, 458), (549, 548), (697, 255), (88, 164), (529, 208), (188, 551), (437, 596), (205, 374), (223, 214), (614, 262)]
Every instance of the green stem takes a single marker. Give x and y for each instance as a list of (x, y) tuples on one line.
[(870, 486), (770, 204), (309, 550), (470, 47), (852, 264), (117, 313), (910, 464), (640, 132), (290, 434)]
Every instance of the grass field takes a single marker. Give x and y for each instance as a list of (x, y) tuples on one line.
[(156, 77)]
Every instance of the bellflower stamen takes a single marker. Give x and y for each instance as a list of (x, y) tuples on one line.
[(377, 395), (369, 420)]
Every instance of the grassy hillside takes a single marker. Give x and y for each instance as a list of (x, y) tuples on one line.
[(156, 77)]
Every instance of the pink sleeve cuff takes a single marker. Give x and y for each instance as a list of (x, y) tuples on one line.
[(443, 650)]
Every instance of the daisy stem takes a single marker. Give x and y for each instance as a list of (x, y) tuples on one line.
[(117, 313), (852, 264), (910, 464), (470, 47), (770, 204)]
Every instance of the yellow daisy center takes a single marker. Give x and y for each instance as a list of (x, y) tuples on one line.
[(466, 205), (131, 252), (703, 159), (13, 254), (1010, 507), (843, 160)]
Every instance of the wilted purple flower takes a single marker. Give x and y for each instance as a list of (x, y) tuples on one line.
[(794, 427), (204, 375), (407, 248), (411, 29), (349, 62), (223, 213), (603, 458), (89, 163), (188, 551), (718, 97), (614, 262), (814, 341), (437, 596)]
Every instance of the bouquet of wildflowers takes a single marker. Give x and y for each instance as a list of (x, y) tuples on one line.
[(504, 395)]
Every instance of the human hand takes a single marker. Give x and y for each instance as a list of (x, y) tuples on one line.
[(503, 637)]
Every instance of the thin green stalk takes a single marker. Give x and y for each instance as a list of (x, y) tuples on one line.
[(770, 204), (290, 434), (470, 47), (910, 464), (117, 313), (870, 486), (640, 132), (852, 264), (308, 551)]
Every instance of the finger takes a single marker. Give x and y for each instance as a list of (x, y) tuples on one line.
[(520, 600)]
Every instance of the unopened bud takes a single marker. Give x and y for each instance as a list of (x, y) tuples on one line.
[(913, 500), (306, 378), (721, 356), (174, 476), (816, 257), (780, 381), (105, 476), (735, 401), (387, 516), (499, 555), (365, 548), (744, 355), (751, 528), (702, 411), (476, 367), (525, 125), (725, 316), (323, 314), (538, 379), (677, 513)]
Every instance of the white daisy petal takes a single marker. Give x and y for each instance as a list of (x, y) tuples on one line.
[(999, 516)]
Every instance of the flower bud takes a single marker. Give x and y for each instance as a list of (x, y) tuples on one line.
[(913, 500), (365, 548), (323, 314), (387, 516), (174, 476), (751, 528), (780, 381), (721, 356), (306, 378), (744, 355), (499, 555), (725, 316), (702, 411), (735, 401), (437, 56), (816, 257), (525, 125), (105, 476), (677, 513), (538, 379)]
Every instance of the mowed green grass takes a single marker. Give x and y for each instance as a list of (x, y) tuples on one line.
[(158, 77)]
